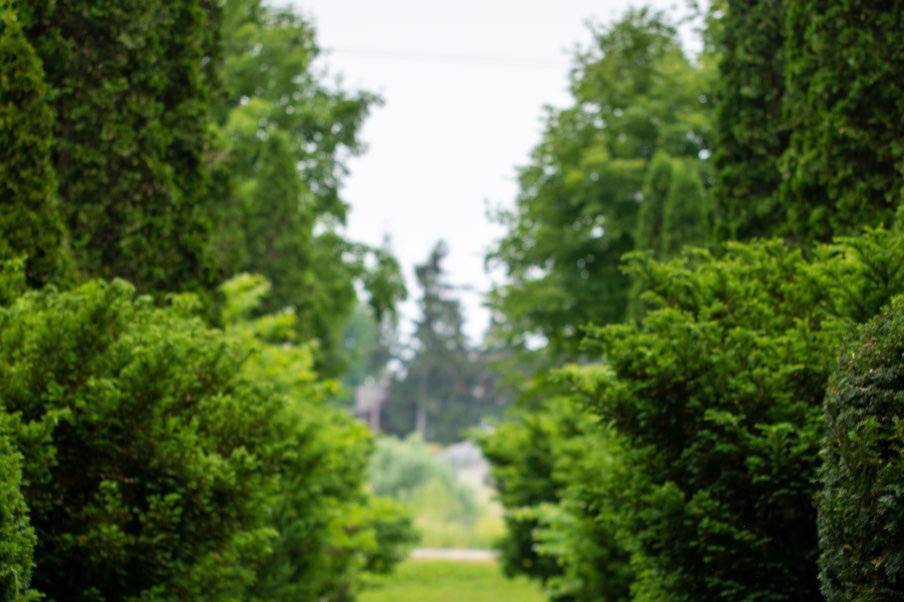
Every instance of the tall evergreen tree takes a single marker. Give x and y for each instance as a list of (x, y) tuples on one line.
[(443, 389), (128, 83), (655, 193), (686, 216), (30, 223), (845, 75), (751, 132)]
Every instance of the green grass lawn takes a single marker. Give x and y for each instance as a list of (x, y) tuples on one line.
[(450, 581)]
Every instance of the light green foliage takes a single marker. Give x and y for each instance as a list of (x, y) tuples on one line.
[(448, 512), (751, 129), (30, 223), (284, 134), (16, 537), (130, 96), (400, 467), (557, 479), (451, 581), (329, 530), (164, 460), (635, 94), (845, 77), (861, 525)]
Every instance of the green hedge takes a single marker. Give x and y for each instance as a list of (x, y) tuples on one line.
[(861, 508)]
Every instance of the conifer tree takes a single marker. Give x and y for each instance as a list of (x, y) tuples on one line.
[(30, 224), (129, 88), (845, 73), (685, 218), (655, 193), (751, 132)]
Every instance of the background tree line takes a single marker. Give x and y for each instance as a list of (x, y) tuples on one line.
[(167, 424), (695, 241)]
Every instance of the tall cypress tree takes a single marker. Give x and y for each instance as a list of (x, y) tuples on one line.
[(845, 75), (686, 216), (129, 85), (750, 129), (655, 193), (30, 223)]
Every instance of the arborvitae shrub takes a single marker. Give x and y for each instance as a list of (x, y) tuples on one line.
[(30, 224), (129, 90), (751, 133), (845, 81), (686, 215), (861, 508), (16, 537)]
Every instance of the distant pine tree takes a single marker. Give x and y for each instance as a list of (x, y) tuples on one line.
[(30, 223)]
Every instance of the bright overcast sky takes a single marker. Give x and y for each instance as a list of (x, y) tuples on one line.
[(464, 84)]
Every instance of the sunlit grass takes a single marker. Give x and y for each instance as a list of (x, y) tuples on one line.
[(451, 581)]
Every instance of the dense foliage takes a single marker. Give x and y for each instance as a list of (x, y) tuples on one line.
[(861, 524), (167, 460), (678, 459), (698, 457), (751, 130), (635, 94), (131, 102), (808, 117), (844, 163), (176, 445), (30, 224), (16, 536)]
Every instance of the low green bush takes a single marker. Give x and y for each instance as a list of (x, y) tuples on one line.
[(683, 464), (164, 460)]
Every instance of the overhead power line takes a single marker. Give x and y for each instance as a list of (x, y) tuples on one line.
[(450, 58)]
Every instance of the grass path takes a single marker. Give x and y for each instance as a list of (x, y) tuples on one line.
[(419, 580)]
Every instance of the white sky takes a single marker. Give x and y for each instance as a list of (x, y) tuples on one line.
[(464, 83)]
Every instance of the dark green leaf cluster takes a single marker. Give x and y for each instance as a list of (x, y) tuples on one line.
[(808, 117), (845, 81), (751, 131), (129, 91), (683, 466), (16, 536), (861, 506)]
